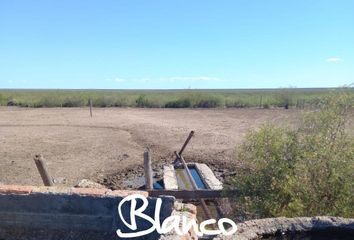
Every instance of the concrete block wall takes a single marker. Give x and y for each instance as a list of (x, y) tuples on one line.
[(29, 212)]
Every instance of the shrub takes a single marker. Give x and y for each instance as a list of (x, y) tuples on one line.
[(74, 102), (142, 101), (196, 101), (11, 103), (304, 171), (284, 99), (207, 101), (179, 103), (121, 102), (104, 101), (48, 101), (2, 100), (266, 106), (237, 104)]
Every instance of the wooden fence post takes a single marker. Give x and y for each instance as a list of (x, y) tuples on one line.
[(47, 180), (148, 170)]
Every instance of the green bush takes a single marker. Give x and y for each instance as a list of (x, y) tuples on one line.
[(121, 102), (266, 106), (74, 102), (179, 103), (142, 101), (210, 102), (203, 100), (104, 101), (11, 102), (304, 171), (2, 100), (48, 101), (193, 100), (237, 104), (284, 99)]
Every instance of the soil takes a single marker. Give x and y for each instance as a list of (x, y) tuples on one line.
[(108, 148)]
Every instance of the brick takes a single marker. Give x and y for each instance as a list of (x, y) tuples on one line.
[(89, 191), (15, 189), (124, 193)]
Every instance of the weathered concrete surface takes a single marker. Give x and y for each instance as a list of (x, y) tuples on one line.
[(169, 178), (28, 212), (85, 183), (254, 229), (208, 176)]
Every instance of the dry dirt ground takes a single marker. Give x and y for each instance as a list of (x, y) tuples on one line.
[(109, 147)]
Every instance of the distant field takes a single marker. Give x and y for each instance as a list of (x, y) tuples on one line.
[(239, 98)]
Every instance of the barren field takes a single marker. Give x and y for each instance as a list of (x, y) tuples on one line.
[(108, 148)]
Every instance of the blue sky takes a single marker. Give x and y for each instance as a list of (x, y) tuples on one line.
[(176, 44)]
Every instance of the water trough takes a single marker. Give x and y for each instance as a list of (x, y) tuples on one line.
[(176, 177)]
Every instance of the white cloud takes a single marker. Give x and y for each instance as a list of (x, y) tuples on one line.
[(334, 59)]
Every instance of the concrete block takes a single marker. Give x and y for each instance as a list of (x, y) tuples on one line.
[(169, 178), (208, 176)]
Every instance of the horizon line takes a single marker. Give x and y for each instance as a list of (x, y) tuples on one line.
[(178, 89)]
